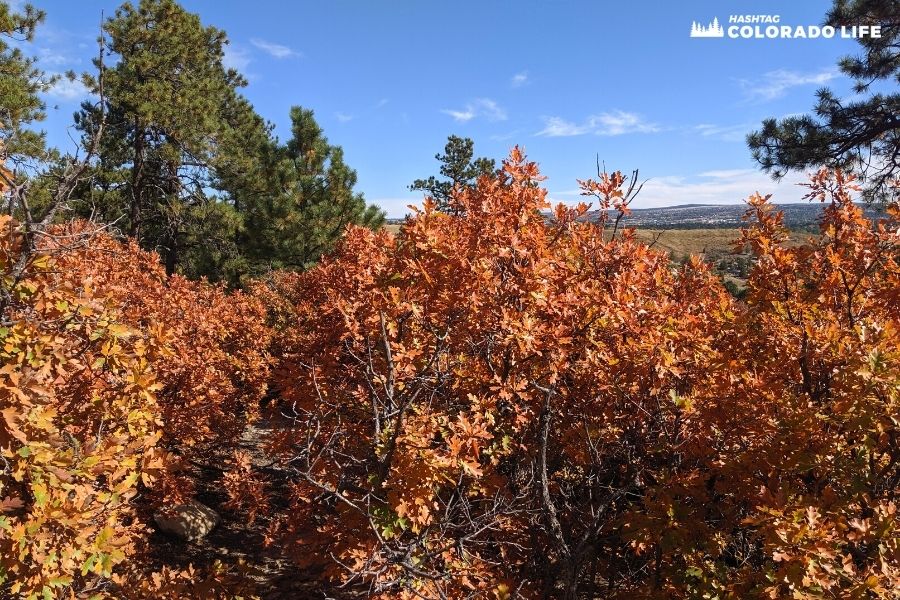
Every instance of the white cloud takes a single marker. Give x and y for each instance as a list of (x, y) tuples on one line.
[(726, 133), (461, 116), (68, 90), (775, 84), (519, 79), (276, 50), (504, 137), (480, 107), (621, 122), (618, 122), (725, 186), (725, 174), (235, 58), (343, 117), (55, 59), (559, 127)]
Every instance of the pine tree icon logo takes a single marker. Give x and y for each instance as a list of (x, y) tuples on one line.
[(712, 30)]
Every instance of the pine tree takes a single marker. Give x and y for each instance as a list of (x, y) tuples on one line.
[(190, 169), (301, 200), (166, 99), (861, 135), (459, 169), (21, 82)]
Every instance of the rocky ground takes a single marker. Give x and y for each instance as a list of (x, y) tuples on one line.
[(234, 541)]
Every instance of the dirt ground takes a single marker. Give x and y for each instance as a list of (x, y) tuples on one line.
[(234, 540)]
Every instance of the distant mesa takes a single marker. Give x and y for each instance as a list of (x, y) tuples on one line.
[(712, 30)]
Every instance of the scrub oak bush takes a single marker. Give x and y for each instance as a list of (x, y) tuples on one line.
[(495, 403), (498, 404), (109, 370)]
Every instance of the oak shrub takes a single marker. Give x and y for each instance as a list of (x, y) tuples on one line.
[(498, 405), (489, 404), (113, 375)]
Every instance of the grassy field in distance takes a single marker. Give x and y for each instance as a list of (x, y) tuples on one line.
[(684, 242), (714, 245)]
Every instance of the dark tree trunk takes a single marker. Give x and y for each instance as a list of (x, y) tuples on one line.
[(172, 254), (137, 183)]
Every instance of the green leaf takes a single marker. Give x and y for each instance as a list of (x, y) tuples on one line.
[(39, 490), (88, 565), (60, 581)]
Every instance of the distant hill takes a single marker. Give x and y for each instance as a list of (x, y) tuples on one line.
[(800, 216), (797, 216)]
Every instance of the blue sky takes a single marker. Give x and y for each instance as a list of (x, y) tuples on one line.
[(569, 81)]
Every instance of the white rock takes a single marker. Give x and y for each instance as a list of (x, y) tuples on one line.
[(189, 521)]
